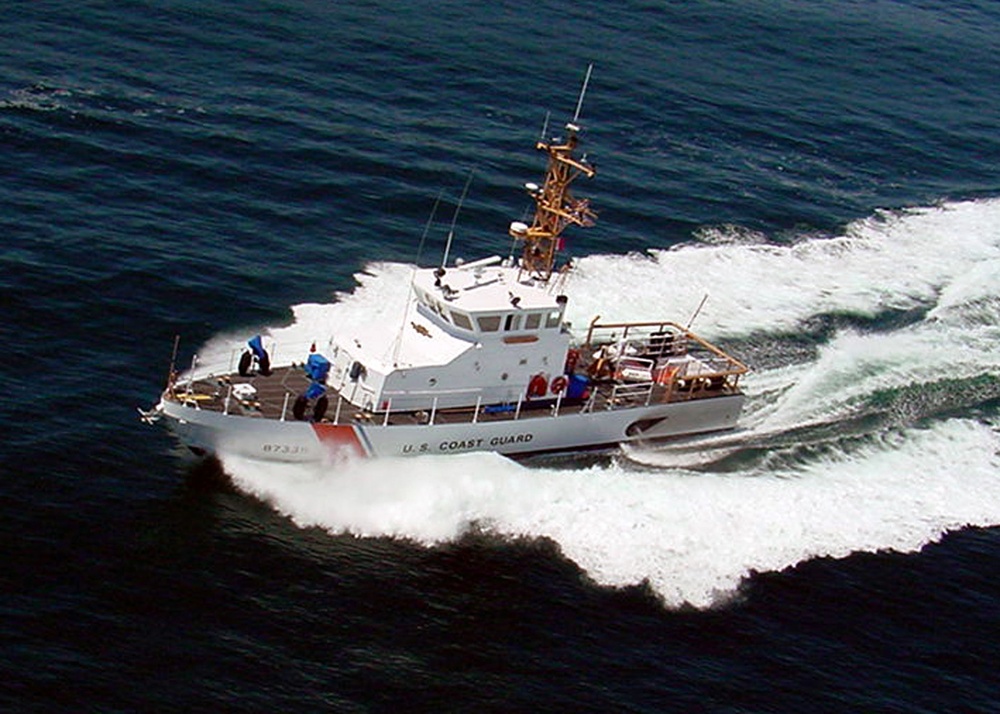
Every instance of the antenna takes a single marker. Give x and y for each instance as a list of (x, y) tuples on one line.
[(173, 363), (545, 126), (586, 81), (700, 306), (454, 220), (413, 276), (427, 228)]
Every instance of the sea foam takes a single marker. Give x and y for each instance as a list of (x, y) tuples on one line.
[(696, 535), (693, 536)]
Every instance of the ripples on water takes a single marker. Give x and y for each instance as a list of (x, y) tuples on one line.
[(173, 167)]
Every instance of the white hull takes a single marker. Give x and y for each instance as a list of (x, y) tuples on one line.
[(207, 431)]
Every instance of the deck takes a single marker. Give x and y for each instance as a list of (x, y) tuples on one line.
[(638, 365)]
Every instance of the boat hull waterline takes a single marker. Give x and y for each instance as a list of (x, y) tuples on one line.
[(206, 431)]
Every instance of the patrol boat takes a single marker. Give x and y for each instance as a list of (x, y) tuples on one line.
[(484, 361)]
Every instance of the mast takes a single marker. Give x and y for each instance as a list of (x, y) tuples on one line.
[(555, 206)]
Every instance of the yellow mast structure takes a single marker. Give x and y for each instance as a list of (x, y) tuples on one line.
[(555, 206)]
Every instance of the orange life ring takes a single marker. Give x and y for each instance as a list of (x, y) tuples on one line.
[(537, 386), (558, 384), (572, 357)]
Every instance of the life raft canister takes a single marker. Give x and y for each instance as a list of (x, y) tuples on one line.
[(537, 386), (558, 384)]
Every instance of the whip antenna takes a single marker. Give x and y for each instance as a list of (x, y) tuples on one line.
[(579, 104), (454, 220), (413, 276), (700, 306), (430, 220)]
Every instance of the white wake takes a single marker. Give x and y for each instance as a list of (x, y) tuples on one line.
[(696, 535)]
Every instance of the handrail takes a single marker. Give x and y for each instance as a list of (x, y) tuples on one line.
[(661, 325), (429, 392), (713, 372)]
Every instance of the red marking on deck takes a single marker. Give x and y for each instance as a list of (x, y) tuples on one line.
[(340, 438)]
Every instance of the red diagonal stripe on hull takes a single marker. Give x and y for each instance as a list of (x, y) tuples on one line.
[(340, 439)]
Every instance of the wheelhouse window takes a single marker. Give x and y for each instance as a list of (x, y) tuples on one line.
[(512, 322), (488, 323), (553, 319), (532, 320), (462, 320)]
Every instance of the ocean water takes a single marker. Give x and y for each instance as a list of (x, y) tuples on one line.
[(826, 173)]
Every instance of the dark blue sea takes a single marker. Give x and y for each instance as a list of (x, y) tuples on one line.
[(826, 172)]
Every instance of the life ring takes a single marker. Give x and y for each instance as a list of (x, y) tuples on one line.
[(572, 357), (537, 386), (558, 384)]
